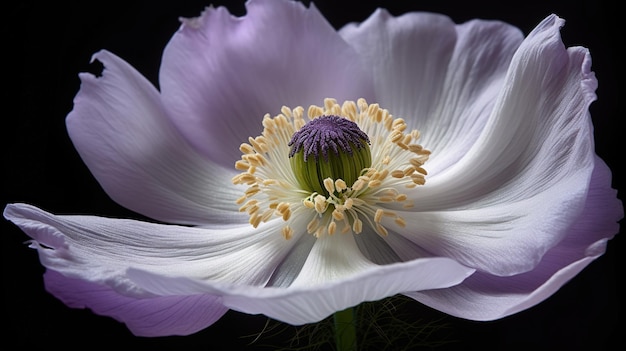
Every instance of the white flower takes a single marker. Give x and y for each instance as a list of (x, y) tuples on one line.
[(506, 200)]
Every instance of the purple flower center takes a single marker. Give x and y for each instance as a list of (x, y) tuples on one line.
[(325, 133)]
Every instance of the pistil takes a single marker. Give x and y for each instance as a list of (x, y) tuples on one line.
[(329, 147)]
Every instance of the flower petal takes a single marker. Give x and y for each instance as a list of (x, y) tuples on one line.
[(381, 250), (503, 239), (486, 297), (119, 127), (310, 304), (101, 250), (152, 316), (442, 78), (289, 268), (539, 128), (332, 258), (514, 195), (220, 74), (141, 260)]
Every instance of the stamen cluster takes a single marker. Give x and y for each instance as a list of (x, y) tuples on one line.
[(274, 190)]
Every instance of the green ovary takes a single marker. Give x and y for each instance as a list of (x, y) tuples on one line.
[(341, 165)]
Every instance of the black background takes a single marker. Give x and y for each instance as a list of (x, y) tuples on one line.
[(45, 46)]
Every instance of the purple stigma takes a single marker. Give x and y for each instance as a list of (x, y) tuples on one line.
[(326, 133)]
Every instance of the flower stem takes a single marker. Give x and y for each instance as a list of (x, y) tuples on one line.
[(345, 330)]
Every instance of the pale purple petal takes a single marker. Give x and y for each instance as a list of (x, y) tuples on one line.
[(486, 297), (300, 305), (514, 195), (441, 77), (119, 127), (152, 316), (221, 74)]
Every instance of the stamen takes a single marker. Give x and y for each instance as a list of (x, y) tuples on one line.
[(287, 232), (335, 180), (329, 185)]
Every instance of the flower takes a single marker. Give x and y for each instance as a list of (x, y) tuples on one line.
[(513, 203)]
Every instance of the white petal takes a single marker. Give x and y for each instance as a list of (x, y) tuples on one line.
[(119, 127), (289, 268), (101, 250), (538, 134), (332, 258), (517, 191), (506, 238), (441, 77), (145, 260), (313, 303), (381, 250)]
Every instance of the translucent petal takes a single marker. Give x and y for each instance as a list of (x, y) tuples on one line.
[(220, 74), (121, 131)]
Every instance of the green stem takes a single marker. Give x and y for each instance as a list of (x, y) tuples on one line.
[(345, 330)]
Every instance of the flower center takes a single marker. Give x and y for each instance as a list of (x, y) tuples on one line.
[(347, 165)]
